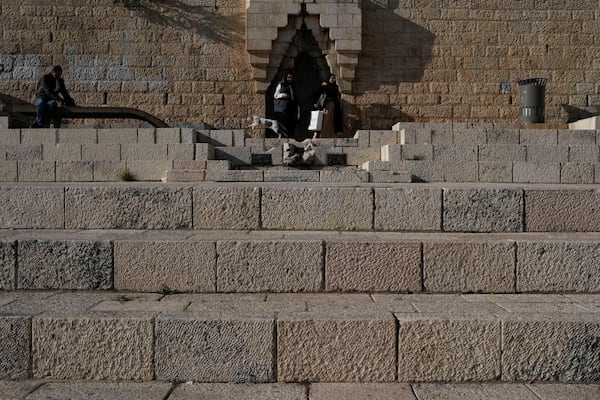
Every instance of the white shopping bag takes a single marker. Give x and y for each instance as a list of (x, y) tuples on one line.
[(316, 120)]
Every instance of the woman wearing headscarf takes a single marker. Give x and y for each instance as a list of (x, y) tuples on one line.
[(329, 100)]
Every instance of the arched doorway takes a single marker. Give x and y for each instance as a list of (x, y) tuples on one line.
[(306, 60)]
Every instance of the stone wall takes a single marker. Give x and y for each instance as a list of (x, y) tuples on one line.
[(424, 60)]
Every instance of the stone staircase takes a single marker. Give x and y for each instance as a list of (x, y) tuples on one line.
[(302, 284)]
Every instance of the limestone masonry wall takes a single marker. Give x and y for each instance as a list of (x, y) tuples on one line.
[(424, 60)]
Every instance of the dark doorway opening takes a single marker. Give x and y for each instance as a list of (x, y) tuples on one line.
[(306, 60)]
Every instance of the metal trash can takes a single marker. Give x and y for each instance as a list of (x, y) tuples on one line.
[(532, 92)]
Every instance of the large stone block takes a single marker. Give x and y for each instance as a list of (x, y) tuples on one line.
[(528, 172), (566, 210), (468, 136), (495, 171), (474, 391), (149, 170), (102, 390), (545, 347), (459, 171), (316, 208), (408, 209), (149, 266), (77, 136), (49, 264), (455, 152), (97, 346), (502, 152), (10, 136), (226, 208), (577, 173), (117, 136), (291, 176), (61, 152), (19, 389), (182, 151), (361, 391), (544, 137), (238, 156), (336, 347), (502, 136), (144, 151), (565, 391), (128, 207), (469, 267), (32, 208), (23, 152), (584, 154), (74, 171), (108, 171), (8, 262), (8, 171), (547, 154), (15, 342), (434, 348), (373, 266), (38, 136), (36, 171), (101, 152), (239, 391), (244, 175), (344, 176), (168, 135), (417, 152), (269, 266), (483, 210), (425, 171), (558, 266), (577, 137), (211, 347)]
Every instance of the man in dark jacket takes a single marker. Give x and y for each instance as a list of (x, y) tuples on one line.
[(50, 90), (285, 104)]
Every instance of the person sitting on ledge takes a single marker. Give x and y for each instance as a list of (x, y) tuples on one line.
[(51, 89)]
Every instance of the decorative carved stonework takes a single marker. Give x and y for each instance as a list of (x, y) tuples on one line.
[(271, 26)]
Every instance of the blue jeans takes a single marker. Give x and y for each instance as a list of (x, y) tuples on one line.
[(43, 110)]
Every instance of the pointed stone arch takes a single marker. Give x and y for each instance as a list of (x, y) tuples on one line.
[(272, 24)]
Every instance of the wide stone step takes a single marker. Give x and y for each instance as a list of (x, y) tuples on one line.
[(443, 207), (266, 338), (42, 389), (289, 261)]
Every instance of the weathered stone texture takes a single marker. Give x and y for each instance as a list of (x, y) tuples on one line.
[(315, 348), (544, 348), (214, 349), (558, 266), (31, 208), (456, 348), (150, 266), (562, 210), (408, 209), (128, 208), (469, 267), (226, 208), (99, 347), (333, 208), (102, 390), (269, 266), (15, 340), (235, 391), (8, 260), (49, 264), (483, 210), (373, 266)]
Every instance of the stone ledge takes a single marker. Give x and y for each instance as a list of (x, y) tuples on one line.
[(541, 334)]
